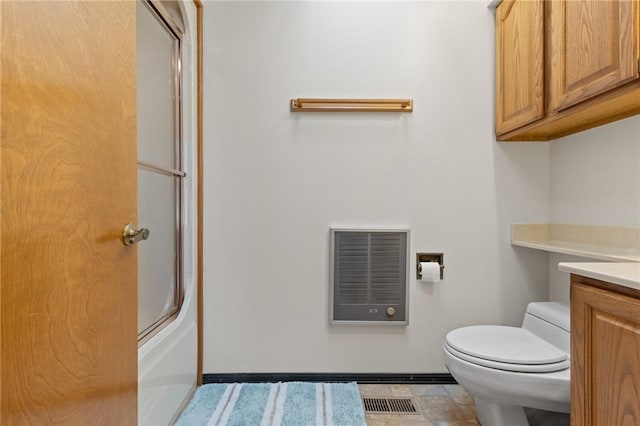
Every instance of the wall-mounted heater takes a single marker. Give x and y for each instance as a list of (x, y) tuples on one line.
[(369, 276)]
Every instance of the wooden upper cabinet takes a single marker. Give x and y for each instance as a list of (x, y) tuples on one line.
[(594, 47), (519, 52), (564, 66)]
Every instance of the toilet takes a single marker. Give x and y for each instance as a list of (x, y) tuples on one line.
[(508, 368)]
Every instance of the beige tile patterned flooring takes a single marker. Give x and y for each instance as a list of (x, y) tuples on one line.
[(438, 405)]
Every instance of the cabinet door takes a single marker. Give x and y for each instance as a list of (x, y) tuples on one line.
[(519, 64), (594, 48), (605, 357)]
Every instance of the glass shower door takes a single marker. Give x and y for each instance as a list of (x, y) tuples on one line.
[(159, 170)]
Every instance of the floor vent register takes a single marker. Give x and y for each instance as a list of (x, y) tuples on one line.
[(389, 405)]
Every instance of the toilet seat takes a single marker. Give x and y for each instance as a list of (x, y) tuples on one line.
[(505, 348)]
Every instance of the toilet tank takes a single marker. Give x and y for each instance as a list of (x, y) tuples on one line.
[(550, 321)]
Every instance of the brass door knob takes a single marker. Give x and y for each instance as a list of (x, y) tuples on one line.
[(131, 235)]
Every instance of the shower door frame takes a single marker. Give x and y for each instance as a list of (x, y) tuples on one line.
[(165, 19)]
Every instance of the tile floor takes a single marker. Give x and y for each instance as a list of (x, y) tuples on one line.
[(438, 405), (442, 405)]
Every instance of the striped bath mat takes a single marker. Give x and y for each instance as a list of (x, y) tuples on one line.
[(266, 404)]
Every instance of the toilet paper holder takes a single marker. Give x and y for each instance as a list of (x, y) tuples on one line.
[(429, 257)]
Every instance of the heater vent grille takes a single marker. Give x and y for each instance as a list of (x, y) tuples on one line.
[(369, 276), (389, 405)]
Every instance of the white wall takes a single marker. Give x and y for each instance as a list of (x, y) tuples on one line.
[(276, 181), (595, 180), (595, 176)]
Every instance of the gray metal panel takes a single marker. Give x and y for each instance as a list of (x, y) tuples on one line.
[(369, 276)]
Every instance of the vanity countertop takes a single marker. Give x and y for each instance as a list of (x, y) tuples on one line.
[(626, 274)]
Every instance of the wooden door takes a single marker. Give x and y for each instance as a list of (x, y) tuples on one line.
[(605, 357), (594, 48), (68, 186), (519, 64)]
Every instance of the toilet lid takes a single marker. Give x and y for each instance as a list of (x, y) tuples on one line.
[(517, 348)]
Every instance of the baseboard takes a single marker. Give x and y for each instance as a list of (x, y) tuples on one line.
[(364, 378)]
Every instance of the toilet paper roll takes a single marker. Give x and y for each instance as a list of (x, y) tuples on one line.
[(430, 271)]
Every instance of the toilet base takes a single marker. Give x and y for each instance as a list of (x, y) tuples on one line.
[(492, 414)]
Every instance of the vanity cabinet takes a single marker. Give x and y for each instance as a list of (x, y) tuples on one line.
[(565, 66), (605, 353)]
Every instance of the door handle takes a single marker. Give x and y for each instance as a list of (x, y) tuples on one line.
[(131, 235)]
